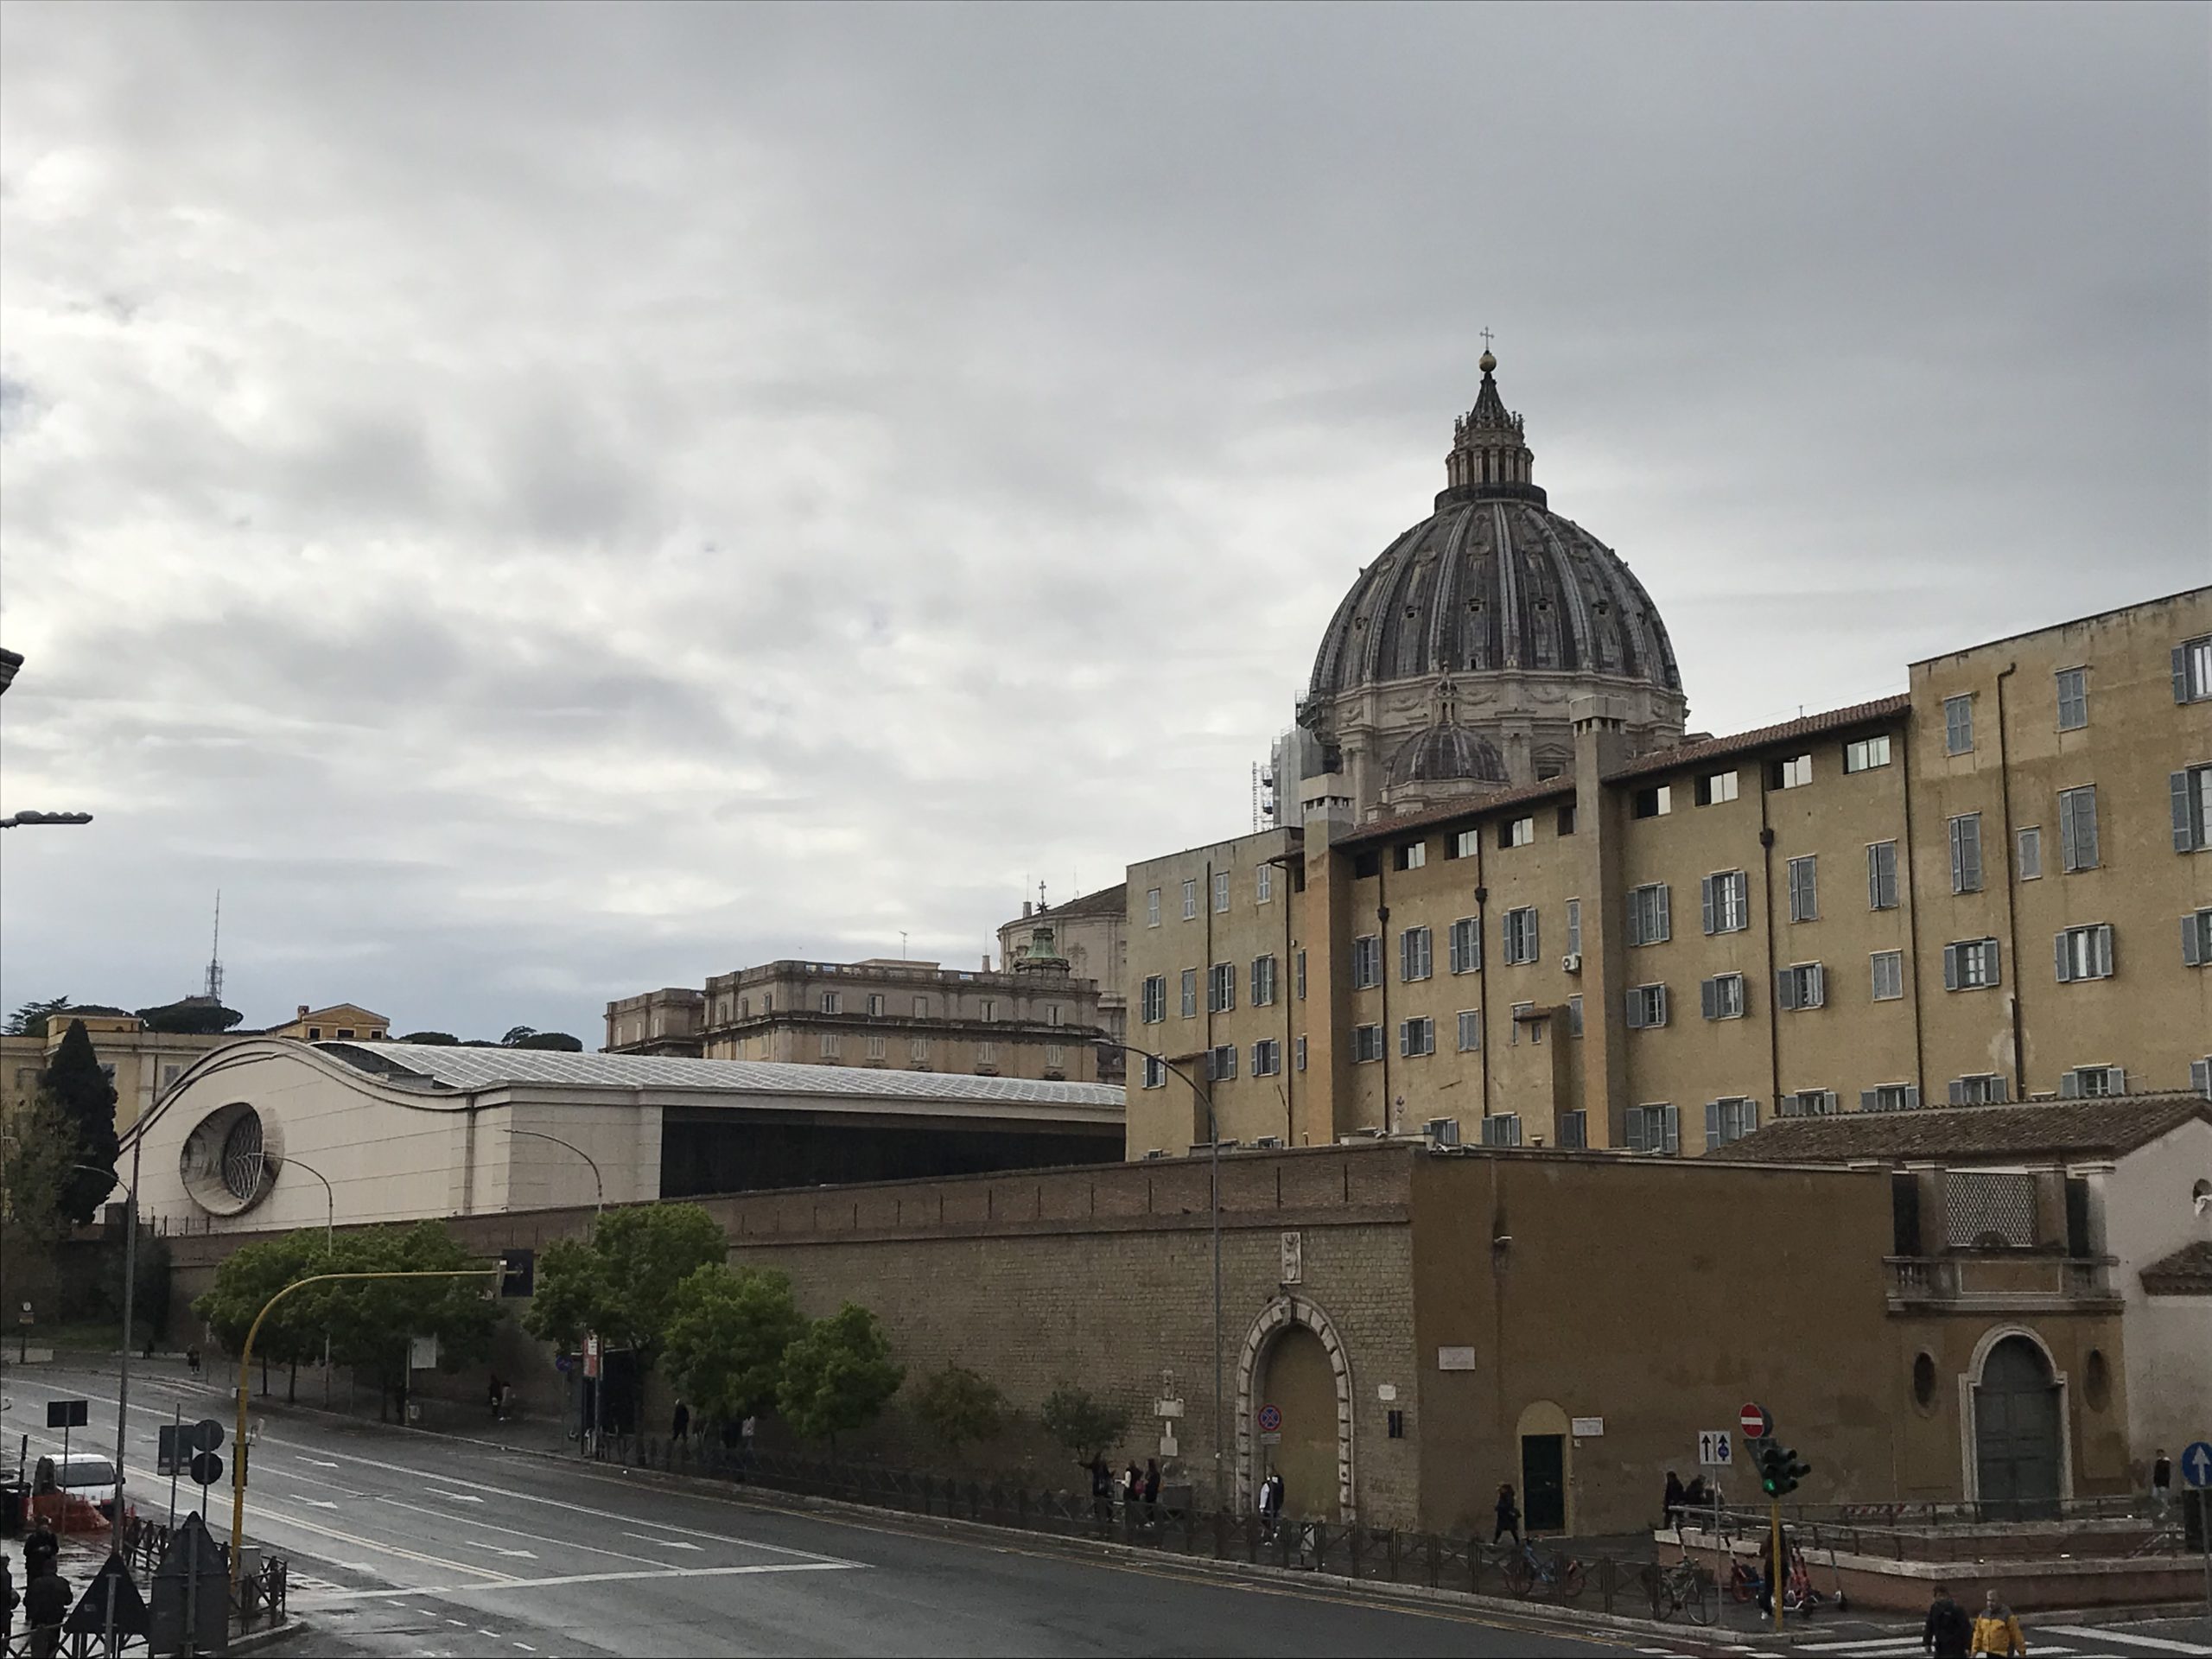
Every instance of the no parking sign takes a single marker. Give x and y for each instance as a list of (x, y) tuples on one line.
[(1270, 1419)]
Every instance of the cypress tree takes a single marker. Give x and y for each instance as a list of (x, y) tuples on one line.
[(75, 1083)]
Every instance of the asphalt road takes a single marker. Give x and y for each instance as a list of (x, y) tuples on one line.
[(404, 1543)]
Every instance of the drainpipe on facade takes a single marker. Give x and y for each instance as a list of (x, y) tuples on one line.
[(1483, 961), (1383, 972), (1912, 926), (2011, 910), (1766, 900)]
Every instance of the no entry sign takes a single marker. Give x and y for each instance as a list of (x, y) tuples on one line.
[(1755, 1424)]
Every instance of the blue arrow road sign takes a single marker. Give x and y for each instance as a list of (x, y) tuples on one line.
[(2197, 1463)]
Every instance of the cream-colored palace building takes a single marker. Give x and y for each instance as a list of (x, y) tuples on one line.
[(1532, 912)]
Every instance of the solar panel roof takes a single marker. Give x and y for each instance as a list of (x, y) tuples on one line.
[(482, 1068)]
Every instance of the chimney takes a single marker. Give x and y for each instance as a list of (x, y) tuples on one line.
[(303, 1012)]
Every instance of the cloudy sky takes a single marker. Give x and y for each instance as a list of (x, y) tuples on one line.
[(537, 503)]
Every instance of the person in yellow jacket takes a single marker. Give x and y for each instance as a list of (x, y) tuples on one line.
[(1997, 1632)]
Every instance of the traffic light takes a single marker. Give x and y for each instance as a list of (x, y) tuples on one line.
[(1780, 1469), (518, 1276)]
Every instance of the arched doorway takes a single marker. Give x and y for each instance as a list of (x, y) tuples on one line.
[(1298, 1382), (1292, 1360), (2018, 1426), (1545, 1486)]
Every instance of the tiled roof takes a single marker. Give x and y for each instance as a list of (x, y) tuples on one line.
[(2187, 1272), (1107, 901), (2116, 1124), (1458, 811), (1880, 710), (488, 1068)]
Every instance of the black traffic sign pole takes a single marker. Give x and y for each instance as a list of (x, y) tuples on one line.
[(176, 1444)]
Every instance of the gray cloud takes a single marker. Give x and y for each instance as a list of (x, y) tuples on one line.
[(540, 502)]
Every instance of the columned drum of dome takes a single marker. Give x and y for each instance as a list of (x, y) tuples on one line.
[(1466, 640)]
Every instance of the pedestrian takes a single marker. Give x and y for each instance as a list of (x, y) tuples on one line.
[(1997, 1633), (41, 1549), (2161, 1482), (1102, 1490), (1697, 1497), (1948, 1630), (1673, 1501), (192, 1359), (1508, 1515), (9, 1602), (1133, 1486), (1151, 1488), (1268, 1507), (496, 1397), (680, 1427), (46, 1604)]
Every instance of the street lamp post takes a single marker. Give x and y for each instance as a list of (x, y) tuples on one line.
[(130, 1298), (597, 1208), (329, 1249), (1204, 1093)]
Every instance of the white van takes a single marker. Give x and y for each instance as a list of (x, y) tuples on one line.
[(81, 1474)]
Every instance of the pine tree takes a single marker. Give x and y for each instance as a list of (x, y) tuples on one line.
[(74, 1082)]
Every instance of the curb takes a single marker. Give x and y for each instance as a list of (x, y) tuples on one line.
[(267, 1635)]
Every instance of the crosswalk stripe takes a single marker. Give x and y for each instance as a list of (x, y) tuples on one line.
[(2096, 1633)]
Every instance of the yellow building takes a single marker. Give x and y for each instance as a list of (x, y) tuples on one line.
[(341, 1022), (1986, 889), (138, 1062)]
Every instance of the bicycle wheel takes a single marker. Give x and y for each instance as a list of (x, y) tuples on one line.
[(1567, 1573), (1742, 1583), (1520, 1577), (1698, 1599)]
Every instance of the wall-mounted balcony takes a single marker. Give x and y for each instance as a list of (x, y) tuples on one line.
[(2000, 1281)]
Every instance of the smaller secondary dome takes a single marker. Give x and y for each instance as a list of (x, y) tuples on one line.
[(1446, 752)]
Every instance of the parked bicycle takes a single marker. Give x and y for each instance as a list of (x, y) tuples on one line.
[(1683, 1587), (1529, 1572)]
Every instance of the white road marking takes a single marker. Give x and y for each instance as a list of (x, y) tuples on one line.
[(303, 1525), (481, 1630), (665, 1543), (1868, 1645), (526, 1647), (479, 1543), (535, 1538), (598, 1516), (2103, 1633), (318, 1503), (504, 1582), (458, 1497), (320, 1463)]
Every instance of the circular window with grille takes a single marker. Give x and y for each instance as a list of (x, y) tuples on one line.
[(230, 1160)]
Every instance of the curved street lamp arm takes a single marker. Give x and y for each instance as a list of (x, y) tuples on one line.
[(598, 1180)]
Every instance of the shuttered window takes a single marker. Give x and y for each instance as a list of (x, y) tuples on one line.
[(1502, 1130), (1189, 993), (1958, 724), (1366, 962), (1984, 1089), (2028, 860), (2085, 953), (1416, 1037), (1970, 965), (1471, 1030), (1721, 997), (1730, 1119), (1221, 988), (1264, 981), (1805, 888), (1654, 1128), (2196, 939), (2073, 699), (2191, 792), (1802, 985), (1520, 935), (2090, 1082), (1153, 1005), (1891, 1097), (1889, 975), (1882, 876), (1648, 921), (1965, 852), (1726, 901), (1647, 1006), (2193, 670), (1467, 945), (2077, 827), (1266, 1058), (1808, 1102), (1416, 954), (1366, 1043)]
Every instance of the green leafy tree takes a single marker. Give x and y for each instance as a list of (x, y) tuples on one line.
[(622, 1282), (74, 1082), (838, 1376), (35, 1158), (557, 1040), (432, 1038), (517, 1035), (249, 1277), (959, 1406), (726, 1338), (29, 1020), (1087, 1426), (372, 1321), (191, 1016)]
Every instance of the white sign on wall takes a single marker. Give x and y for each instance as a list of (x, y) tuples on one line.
[(1455, 1359), (1587, 1429)]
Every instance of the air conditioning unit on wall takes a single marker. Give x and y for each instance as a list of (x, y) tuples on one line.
[(1571, 962)]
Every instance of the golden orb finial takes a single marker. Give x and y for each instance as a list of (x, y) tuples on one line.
[(1486, 363)]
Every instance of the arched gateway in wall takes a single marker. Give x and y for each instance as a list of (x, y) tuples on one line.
[(1293, 1360)]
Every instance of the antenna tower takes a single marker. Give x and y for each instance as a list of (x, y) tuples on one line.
[(215, 954)]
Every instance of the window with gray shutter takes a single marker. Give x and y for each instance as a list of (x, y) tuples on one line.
[(2196, 939), (1467, 945), (1888, 975), (1725, 900), (1502, 1130), (1155, 999), (1958, 724), (1721, 997), (2029, 862), (1189, 993), (1471, 1030), (2200, 1075), (1647, 1006), (2085, 953), (2191, 790), (1221, 988), (1264, 981), (1574, 925), (1366, 962), (1729, 1119), (1965, 852), (1882, 876), (1574, 1129), (2073, 699), (2193, 670), (1415, 954), (2077, 828), (1804, 888), (1802, 985), (1648, 920), (1970, 965)]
